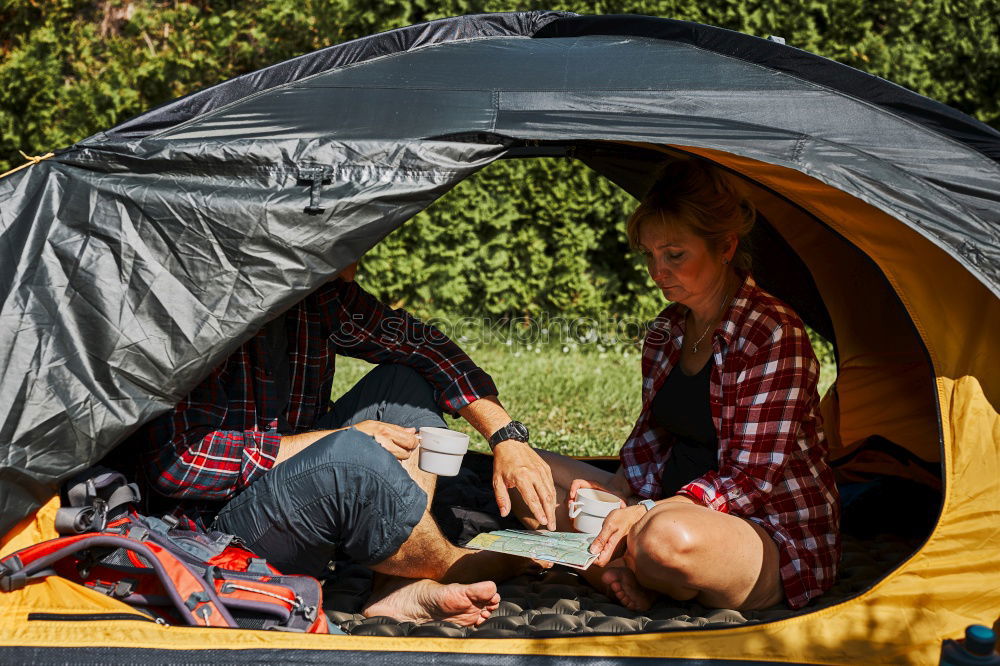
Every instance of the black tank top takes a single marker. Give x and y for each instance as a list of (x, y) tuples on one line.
[(683, 407)]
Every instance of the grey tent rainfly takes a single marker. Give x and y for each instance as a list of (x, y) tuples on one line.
[(136, 260)]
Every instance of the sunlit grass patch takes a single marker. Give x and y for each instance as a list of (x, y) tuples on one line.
[(577, 399)]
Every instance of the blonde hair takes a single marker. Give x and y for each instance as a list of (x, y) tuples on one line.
[(702, 198)]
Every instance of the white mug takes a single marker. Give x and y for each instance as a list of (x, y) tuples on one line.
[(442, 450), (590, 509)]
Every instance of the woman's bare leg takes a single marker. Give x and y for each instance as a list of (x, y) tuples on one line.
[(687, 551), (564, 471)]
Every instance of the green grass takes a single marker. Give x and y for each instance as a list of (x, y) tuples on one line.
[(576, 401)]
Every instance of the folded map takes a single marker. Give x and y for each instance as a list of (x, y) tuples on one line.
[(568, 548)]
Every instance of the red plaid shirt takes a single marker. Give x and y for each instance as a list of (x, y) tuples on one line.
[(225, 434), (772, 453)]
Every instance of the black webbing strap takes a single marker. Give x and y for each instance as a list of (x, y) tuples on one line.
[(94, 495)]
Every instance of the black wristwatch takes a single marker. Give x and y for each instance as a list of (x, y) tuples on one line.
[(513, 430)]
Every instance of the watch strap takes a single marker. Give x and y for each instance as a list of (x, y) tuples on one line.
[(513, 430), (648, 503)]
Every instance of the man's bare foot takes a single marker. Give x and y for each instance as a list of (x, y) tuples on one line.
[(623, 584), (424, 600)]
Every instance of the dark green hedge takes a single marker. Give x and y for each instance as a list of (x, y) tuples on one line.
[(519, 238)]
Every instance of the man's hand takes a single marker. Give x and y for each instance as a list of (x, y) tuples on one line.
[(398, 441), (610, 543), (395, 439), (516, 465)]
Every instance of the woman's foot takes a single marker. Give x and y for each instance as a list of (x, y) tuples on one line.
[(424, 600), (621, 582)]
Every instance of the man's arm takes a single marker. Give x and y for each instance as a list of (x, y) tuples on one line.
[(397, 440), (363, 327), (515, 464), (293, 444)]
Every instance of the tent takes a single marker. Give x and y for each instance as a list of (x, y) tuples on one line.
[(137, 259)]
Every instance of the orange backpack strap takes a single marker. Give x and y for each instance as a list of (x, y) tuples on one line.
[(194, 600)]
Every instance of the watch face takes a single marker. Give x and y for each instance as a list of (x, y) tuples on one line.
[(518, 431)]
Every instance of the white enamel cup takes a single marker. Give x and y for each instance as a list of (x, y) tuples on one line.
[(590, 509), (442, 450)]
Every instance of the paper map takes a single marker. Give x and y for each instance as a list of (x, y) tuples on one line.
[(569, 548)]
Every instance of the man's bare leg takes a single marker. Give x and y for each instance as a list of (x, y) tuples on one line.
[(427, 553), (429, 557)]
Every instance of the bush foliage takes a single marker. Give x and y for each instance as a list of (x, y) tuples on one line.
[(521, 238)]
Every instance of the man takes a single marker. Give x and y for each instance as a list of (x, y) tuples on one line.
[(257, 450)]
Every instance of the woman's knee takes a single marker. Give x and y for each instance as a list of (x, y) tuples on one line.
[(665, 542)]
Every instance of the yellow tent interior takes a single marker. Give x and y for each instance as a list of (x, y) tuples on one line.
[(918, 364)]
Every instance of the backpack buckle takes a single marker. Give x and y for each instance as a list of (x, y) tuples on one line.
[(13, 581), (11, 575), (308, 612), (78, 520)]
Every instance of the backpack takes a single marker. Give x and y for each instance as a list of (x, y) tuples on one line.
[(176, 576)]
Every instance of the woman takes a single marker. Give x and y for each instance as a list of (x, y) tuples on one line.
[(727, 497)]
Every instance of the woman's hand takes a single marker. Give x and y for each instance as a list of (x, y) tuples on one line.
[(398, 441), (610, 543)]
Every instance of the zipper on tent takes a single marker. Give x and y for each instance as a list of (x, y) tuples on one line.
[(86, 617)]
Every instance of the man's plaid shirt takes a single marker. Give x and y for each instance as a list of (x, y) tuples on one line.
[(772, 453), (225, 434)]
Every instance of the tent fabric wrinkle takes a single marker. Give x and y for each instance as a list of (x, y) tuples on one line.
[(155, 265), (704, 97)]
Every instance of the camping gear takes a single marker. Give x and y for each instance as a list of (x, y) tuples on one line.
[(138, 259), (559, 603), (979, 647), (174, 576)]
